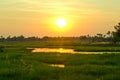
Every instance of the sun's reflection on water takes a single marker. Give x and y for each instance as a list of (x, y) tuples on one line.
[(57, 65), (60, 50)]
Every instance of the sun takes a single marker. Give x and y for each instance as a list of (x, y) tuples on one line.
[(61, 22)]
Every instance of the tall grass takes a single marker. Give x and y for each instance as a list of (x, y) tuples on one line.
[(35, 66), (16, 63)]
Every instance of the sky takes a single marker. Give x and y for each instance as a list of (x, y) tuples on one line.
[(38, 17)]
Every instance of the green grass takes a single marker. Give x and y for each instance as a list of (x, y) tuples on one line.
[(97, 48), (34, 66), (77, 46), (17, 63)]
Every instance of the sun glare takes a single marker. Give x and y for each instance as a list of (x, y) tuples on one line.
[(61, 22)]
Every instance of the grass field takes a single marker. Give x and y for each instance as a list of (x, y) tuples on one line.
[(77, 46), (17, 63)]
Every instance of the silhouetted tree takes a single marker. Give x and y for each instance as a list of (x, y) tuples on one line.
[(20, 38), (8, 38), (116, 33), (2, 38), (2, 49), (109, 33), (100, 35)]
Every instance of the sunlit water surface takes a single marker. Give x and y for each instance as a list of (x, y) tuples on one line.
[(62, 50), (57, 65), (59, 50)]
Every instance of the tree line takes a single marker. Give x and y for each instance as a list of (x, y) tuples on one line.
[(110, 36), (98, 37)]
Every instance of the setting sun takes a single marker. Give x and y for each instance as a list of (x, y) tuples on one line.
[(61, 22)]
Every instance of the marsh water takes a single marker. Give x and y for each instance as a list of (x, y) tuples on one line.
[(59, 50), (64, 50), (57, 65)]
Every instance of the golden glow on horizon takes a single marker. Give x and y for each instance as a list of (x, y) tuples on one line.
[(57, 30), (61, 22), (57, 17)]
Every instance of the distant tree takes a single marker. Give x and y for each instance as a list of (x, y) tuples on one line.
[(100, 35), (33, 38), (8, 38), (14, 38), (116, 33), (109, 36), (20, 38), (1, 49), (2, 38), (45, 38), (109, 33)]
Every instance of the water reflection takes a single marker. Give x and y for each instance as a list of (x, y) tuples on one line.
[(62, 50), (57, 65)]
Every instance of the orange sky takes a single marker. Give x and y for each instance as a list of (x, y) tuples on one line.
[(38, 17)]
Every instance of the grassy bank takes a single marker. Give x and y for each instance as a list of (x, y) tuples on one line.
[(77, 46), (19, 65)]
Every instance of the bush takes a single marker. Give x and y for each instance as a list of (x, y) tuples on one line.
[(2, 49)]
